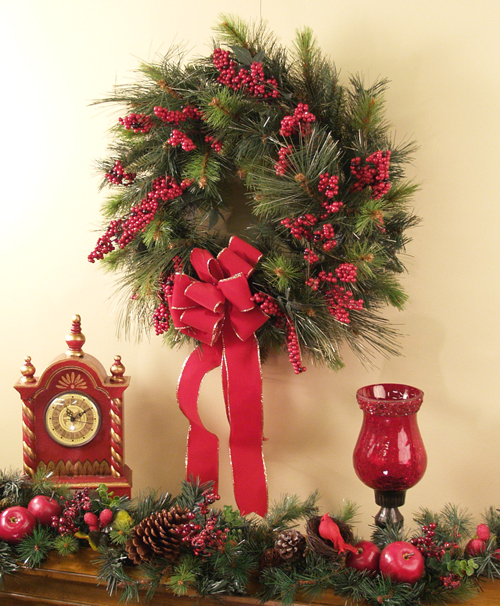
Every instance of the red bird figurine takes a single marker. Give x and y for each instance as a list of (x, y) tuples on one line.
[(330, 531)]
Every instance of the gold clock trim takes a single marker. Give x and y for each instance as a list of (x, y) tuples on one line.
[(72, 419)]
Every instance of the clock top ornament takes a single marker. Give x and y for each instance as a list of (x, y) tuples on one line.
[(73, 418)]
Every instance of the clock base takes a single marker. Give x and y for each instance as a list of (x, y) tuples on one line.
[(121, 486)]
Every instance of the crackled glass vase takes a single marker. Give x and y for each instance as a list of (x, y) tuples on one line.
[(389, 455)]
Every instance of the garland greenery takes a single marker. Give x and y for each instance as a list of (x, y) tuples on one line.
[(185, 544), (268, 144)]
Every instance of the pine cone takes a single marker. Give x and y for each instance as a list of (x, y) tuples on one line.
[(157, 535), (290, 544), (270, 558)]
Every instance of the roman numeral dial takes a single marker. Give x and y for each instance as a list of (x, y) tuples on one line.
[(72, 419)]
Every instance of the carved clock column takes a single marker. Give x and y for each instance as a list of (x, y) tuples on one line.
[(73, 418)]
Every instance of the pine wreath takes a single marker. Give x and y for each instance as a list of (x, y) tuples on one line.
[(265, 143)]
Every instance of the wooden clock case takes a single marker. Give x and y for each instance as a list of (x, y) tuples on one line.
[(100, 461)]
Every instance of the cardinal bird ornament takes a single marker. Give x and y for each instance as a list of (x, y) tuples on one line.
[(329, 530)]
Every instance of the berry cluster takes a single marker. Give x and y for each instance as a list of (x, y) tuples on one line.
[(105, 243), (179, 138), (300, 121), (346, 272), (451, 581), (283, 165), (177, 116), (207, 538), (292, 345), (204, 540), (67, 522), (139, 123), (315, 283), (253, 82), (118, 176), (372, 172), (95, 523), (428, 547), (214, 144), (267, 304), (340, 301), (329, 184)]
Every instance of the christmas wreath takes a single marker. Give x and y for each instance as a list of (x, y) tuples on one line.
[(267, 145), (186, 545)]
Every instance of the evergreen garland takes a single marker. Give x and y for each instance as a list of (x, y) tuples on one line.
[(224, 553), (269, 144)]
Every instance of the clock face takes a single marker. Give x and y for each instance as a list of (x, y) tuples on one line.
[(72, 419)]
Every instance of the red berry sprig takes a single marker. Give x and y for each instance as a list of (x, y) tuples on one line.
[(292, 345), (328, 184), (372, 172), (118, 176), (283, 164), (428, 547), (214, 144), (347, 272), (340, 301), (179, 138), (177, 116), (267, 304), (252, 82), (67, 522), (139, 123), (299, 122), (105, 243), (161, 315)]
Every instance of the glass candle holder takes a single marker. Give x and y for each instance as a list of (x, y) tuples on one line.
[(389, 455)]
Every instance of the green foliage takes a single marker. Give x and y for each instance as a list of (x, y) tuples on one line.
[(8, 563), (66, 544), (33, 549)]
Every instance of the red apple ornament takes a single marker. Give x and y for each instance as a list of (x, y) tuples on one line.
[(402, 562), (44, 509), (366, 558), (475, 547), (15, 523)]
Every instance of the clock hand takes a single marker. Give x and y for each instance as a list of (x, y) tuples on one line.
[(83, 411), (70, 415)]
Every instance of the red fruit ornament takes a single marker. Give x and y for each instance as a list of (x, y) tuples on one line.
[(402, 562), (15, 523), (105, 517), (367, 557), (330, 531), (475, 547), (44, 509), (483, 532)]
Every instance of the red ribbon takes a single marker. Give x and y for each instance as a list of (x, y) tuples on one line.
[(218, 311)]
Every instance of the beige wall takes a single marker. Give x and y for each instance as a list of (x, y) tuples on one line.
[(443, 60)]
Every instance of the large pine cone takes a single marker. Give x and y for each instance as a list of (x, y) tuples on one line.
[(157, 535), (290, 544)]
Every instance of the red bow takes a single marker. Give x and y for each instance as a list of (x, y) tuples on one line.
[(218, 311)]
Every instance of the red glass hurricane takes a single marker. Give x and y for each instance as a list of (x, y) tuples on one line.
[(389, 455)]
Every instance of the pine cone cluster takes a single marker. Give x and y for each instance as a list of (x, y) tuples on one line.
[(157, 535)]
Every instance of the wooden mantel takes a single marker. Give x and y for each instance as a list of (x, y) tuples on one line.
[(72, 581)]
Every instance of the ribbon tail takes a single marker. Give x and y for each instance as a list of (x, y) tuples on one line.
[(202, 456), (242, 385)]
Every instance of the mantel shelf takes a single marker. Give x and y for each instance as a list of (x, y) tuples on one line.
[(72, 581)]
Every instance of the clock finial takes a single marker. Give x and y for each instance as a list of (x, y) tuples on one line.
[(28, 371), (76, 339), (117, 370)]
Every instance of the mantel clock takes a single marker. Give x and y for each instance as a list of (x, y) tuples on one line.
[(73, 418)]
